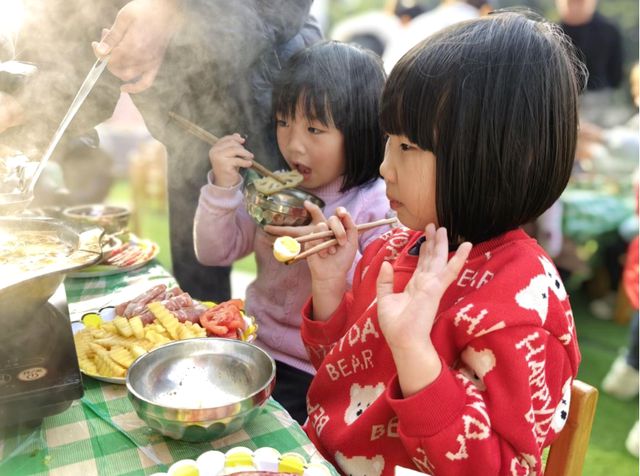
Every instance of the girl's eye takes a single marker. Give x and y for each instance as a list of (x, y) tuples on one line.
[(281, 123), (405, 147), (314, 130)]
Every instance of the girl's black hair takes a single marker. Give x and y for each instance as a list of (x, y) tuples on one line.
[(495, 99), (338, 84)]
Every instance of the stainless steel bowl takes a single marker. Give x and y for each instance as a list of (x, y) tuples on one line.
[(113, 220), (200, 389), (281, 208)]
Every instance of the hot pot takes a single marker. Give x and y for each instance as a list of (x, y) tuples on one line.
[(26, 281)]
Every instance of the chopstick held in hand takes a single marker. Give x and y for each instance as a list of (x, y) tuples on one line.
[(210, 139), (329, 243)]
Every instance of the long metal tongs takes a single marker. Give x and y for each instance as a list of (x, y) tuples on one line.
[(29, 184)]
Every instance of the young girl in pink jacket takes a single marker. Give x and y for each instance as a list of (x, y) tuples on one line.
[(326, 107), (455, 349)]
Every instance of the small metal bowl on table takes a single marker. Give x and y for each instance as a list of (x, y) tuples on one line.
[(112, 219), (285, 207), (200, 389)]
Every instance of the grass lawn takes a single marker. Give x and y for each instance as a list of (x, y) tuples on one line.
[(600, 342)]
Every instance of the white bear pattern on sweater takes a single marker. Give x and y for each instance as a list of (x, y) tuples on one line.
[(360, 465), (536, 295), (361, 398)]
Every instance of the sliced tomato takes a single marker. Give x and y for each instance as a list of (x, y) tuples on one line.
[(238, 303), (222, 320), (218, 330)]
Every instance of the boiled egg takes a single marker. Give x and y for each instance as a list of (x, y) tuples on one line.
[(211, 463), (266, 459), (316, 469), (184, 467), (285, 248), (238, 459), (291, 463)]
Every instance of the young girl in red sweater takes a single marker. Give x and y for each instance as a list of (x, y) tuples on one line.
[(455, 350)]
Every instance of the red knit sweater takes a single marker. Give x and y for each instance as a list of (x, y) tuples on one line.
[(505, 333)]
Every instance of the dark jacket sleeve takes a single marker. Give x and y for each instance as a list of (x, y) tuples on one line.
[(616, 58), (210, 69)]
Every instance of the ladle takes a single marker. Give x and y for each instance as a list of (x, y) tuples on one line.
[(28, 185)]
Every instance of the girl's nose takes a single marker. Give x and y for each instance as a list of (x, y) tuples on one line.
[(386, 170), (295, 145)]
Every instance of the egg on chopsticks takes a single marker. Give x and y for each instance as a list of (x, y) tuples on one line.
[(285, 248)]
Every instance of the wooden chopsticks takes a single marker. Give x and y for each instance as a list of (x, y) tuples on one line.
[(210, 139), (329, 243)]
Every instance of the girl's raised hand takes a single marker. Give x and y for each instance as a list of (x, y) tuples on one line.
[(406, 318), (227, 156)]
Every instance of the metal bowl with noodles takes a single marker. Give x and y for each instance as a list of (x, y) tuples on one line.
[(285, 207)]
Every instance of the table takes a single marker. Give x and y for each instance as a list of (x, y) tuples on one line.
[(590, 213), (101, 434), (597, 212)]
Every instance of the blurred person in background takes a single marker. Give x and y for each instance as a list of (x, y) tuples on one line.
[(375, 29), (212, 62), (613, 152), (600, 44), (426, 24)]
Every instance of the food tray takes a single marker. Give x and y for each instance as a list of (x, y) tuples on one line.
[(108, 314)]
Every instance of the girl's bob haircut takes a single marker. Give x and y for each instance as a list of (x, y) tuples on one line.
[(340, 85), (495, 100)]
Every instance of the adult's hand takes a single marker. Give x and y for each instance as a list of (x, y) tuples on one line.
[(137, 41), (11, 112)]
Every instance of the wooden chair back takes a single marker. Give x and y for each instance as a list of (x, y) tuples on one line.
[(148, 174), (568, 451)]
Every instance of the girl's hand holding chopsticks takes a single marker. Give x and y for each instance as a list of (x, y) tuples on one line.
[(227, 156), (332, 241), (330, 264)]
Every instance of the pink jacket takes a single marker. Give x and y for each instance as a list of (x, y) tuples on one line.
[(224, 233)]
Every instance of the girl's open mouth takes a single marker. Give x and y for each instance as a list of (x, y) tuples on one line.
[(305, 171)]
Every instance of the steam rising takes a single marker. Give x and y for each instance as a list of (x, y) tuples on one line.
[(11, 18), (217, 69)]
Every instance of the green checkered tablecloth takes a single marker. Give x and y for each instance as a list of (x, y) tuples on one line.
[(101, 433), (113, 289)]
